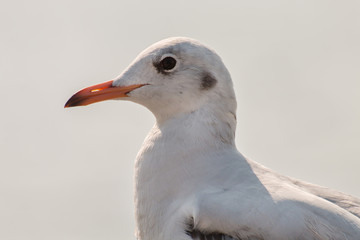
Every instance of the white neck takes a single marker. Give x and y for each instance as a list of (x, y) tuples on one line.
[(173, 153)]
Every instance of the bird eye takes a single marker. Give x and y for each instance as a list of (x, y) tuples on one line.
[(168, 63)]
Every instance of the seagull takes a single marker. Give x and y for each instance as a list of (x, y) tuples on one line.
[(191, 182)]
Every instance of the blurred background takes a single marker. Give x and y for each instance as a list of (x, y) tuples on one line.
[(68, 173)]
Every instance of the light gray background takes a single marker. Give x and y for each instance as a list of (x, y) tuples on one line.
[(68, 173)]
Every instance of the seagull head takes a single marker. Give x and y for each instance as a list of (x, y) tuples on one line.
[(172, 77)]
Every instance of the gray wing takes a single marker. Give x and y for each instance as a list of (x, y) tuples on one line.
[(197, 235), (345, 201)]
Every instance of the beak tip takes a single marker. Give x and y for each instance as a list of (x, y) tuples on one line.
[(73, 102), (67, 105)]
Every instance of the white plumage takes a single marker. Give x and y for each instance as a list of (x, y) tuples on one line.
[(191, 181)]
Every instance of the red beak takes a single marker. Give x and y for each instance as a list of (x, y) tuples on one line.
[(100, 92)]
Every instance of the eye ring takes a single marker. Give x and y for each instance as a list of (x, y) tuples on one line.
[(168, 63)]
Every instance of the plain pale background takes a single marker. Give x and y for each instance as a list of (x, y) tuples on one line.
[(68, 173)]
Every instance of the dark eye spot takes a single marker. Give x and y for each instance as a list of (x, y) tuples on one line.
[(168, 63)]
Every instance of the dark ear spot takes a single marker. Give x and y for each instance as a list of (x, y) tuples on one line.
[(208, 82)]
